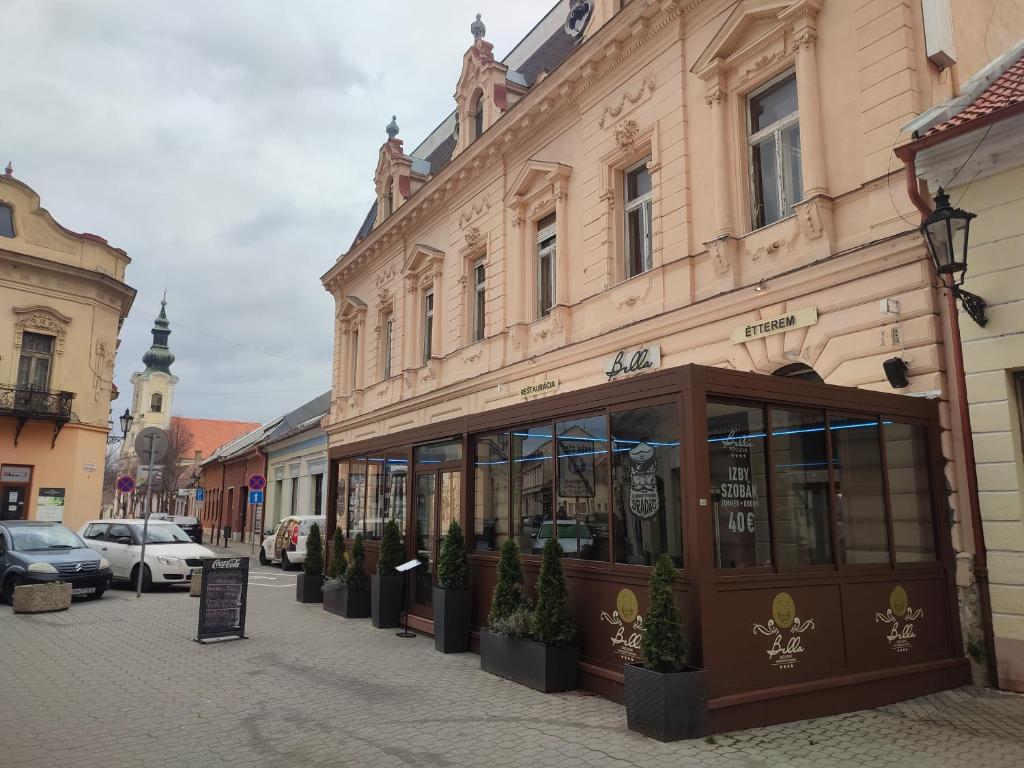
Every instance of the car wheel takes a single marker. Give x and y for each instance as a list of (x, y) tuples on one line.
[(285, 565), (263, 557), (147, 579), (97, 594), (7, 593)]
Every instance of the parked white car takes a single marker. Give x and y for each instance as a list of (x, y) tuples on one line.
[(170, 553), (286, 541)]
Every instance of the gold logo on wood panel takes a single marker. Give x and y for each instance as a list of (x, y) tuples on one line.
[(900, 618), (783, 610), (627, 605), (785, 628), (629, 626)]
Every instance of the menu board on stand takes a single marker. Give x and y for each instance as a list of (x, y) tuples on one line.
[(223, 599)]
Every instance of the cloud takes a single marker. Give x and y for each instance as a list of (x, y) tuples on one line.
[(230, 148)]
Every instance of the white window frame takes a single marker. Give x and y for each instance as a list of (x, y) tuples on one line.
[(428, 324), (547, 244), (775, 131), (34, 359), (645, 202), (478, 299)]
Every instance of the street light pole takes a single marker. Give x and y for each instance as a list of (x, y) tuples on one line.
[(145, 517)]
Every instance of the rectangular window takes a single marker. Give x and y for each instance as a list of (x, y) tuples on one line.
[(491, 491), (387, 342), (639, 246), (581, 513), (35, 361), (318, 493), (800, 488), (438, 453), (341, 500), (294, 504), (396, 470), (278, 493), (428, 325), (545, 265), (646, 485), (376, 497), (859, 500), (478, 301), (355, 359), (533, 473), (906, 456), (737, 455), (357, 497), (774, 151)]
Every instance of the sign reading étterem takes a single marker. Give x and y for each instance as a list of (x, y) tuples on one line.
[(769, 326), (631, 361)]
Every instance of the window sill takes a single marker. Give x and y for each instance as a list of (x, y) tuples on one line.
[(769, 226)]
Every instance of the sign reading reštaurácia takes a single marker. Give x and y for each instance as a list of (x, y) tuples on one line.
[(223, 598)]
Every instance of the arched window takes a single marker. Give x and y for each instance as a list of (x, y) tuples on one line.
[(156, 403), (799, 371), (478, 114), (6, 221)]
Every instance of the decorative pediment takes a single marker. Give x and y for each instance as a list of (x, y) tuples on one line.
[(537, 177), (423, 258), (351, 307), (753, 24), (38, 318)]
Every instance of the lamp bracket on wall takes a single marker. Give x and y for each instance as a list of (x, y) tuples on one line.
[(973, 305)]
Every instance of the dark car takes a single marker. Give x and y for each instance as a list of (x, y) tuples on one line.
[(189, 525), (33, 552)]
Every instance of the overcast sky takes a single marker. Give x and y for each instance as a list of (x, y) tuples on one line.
[(229, 148)]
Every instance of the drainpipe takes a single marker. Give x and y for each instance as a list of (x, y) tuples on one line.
[(908, 154)]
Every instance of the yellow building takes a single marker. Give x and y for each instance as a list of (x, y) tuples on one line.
[(62, 301)]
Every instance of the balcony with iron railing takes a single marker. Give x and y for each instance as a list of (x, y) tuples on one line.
[(31, 403)]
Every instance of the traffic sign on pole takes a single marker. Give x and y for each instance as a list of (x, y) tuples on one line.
[(257, 483), (200, 494), (126, 484), (255, 497), (151, 445)]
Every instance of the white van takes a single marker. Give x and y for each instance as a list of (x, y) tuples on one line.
[(286, 541)]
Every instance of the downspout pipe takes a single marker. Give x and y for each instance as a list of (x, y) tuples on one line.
[(908, 154)]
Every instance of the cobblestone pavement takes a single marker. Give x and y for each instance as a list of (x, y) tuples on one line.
[(117, 682)]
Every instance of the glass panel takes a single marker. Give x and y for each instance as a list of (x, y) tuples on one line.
[(376, 497), (37, 342), (772, 104), (906, 456), (438, 453), (646, 485), (428, 325), (739, 485), (357, 496), (546, 277), (793, 179), (491, 488), (6, 222), (860, 506), (635, 241), (395, 472), (638, 182), (426, 501), (389, 335), (765, 169), (532, 474), (800, 488), (340, 502), (451, 505), (582, 489)]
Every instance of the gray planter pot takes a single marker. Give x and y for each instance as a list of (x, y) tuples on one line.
[(546, 668), (452, 608), (307, 588), (666, 707), (386, 600)]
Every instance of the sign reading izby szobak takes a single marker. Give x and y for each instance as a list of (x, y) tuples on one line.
[(769, 326), (223, 597)]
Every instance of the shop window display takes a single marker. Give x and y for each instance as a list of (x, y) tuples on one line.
[(581, 512), (533, 473)]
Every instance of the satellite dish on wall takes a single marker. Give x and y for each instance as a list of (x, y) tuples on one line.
[(579, 15)]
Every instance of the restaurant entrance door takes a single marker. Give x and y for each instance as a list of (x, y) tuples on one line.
[(438, 501)]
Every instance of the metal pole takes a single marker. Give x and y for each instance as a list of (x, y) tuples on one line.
[(145, 517)]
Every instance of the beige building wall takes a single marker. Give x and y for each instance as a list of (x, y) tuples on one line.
[(994, 363), (71, 287)]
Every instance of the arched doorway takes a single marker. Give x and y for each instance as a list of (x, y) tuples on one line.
[(799, 371)]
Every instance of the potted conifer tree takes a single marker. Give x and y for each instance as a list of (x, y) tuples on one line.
[(353, 588), (308, 583), (452, 597), (335, 574), (537, 649), (386, 583), (665, 698)]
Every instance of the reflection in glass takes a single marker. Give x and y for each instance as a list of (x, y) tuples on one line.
[(739, 485), (906, 455), (376, 497), (340, 500), (800, 488), (646, 488), (357, 497), (426, 501), (491, 486), (860, 506), (582, 489), (438, 453), (395, 473), (532, 475)]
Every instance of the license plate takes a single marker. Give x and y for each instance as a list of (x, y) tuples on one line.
[(84, 591)]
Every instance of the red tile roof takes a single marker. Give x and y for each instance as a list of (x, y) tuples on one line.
[(209, 434), (1005, 92)]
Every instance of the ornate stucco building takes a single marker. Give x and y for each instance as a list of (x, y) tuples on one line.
[(638, 187), (63, 299)]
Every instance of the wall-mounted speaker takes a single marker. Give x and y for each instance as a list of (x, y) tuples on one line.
[(896, 372)]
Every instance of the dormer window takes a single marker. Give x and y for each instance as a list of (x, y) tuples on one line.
[(6, 221)]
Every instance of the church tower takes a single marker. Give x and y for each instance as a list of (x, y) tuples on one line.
[(153, 388)]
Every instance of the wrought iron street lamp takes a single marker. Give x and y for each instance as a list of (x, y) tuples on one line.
[(126, 420), (946, 231)]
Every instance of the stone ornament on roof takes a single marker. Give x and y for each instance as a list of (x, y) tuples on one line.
[(392, 127), (9, 170), (478, 29)]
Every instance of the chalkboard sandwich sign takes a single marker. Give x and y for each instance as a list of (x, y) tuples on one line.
[(223, 599)]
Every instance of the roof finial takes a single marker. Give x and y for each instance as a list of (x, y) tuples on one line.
[(392, 128), (477, 28), (9, 170)]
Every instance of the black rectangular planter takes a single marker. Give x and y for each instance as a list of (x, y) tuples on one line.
[(347, 603), (386, 600), (666, 707), (307, 588), (451, 619), (547, 668)]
